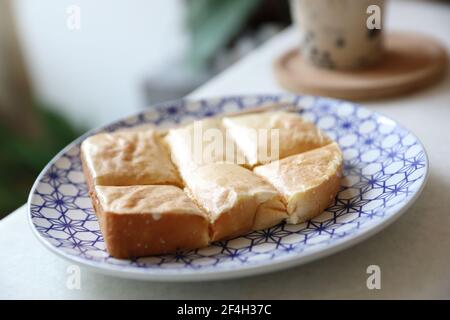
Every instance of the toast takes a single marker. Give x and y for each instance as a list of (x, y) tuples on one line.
[(308, 181)]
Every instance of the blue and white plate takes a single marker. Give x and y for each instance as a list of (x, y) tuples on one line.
[(385, 169)]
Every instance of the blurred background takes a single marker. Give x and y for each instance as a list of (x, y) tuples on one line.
[(68, 66)]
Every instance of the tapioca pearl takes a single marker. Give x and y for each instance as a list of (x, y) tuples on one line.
[(326, 60), (340, 42), (373, 33), (308, 36)]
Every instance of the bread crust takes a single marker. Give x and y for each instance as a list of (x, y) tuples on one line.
[(132, 235), (136, 235), (234, 222), (231, 200), (308, 182)]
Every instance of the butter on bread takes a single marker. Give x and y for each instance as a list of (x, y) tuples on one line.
[(295, 135), (308, 181), (135, 180), (128, 157), (202, 142), (148, 219), (236, 200)]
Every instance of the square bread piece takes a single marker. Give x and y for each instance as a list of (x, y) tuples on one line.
[(145, 220), (236, 200), (308, 182), (295, 135), (128, 157), (202, 142)]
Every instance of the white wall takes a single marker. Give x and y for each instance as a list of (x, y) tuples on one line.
[(96, 74)]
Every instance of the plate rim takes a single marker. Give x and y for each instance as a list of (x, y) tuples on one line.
[(285, 262)]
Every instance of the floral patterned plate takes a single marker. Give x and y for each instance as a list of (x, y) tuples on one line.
[(385, 168)]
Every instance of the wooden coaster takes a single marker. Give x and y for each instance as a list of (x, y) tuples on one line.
[(410, 62)]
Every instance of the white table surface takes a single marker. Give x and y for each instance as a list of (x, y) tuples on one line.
[(413, 253)]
